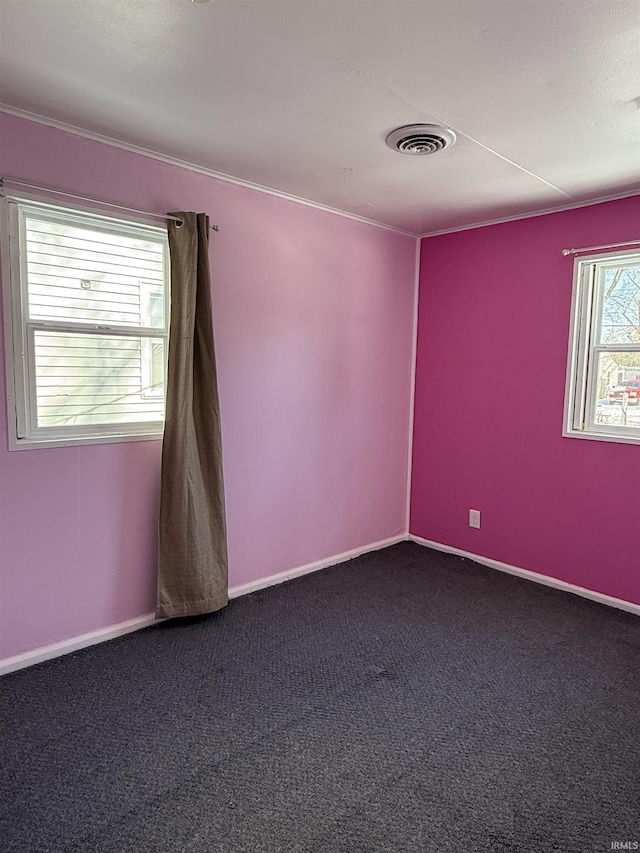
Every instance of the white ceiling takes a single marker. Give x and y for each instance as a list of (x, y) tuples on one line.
[(299, 95)]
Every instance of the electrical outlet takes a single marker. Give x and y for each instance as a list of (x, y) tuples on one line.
[(474, 518)]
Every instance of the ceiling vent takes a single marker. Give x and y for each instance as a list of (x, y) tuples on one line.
[(420, 139)]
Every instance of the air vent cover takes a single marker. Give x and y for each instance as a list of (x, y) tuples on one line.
[(420, 139)]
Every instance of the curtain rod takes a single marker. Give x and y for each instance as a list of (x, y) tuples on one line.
[(595, 248), (14, 181)]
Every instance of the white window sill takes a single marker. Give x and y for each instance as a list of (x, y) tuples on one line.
[(40, 444), (602, 436)]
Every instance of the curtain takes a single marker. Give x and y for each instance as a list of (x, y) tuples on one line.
[(192, 565)]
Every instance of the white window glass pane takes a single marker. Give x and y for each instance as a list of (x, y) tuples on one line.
[(621, 306), (93, 379), (88, 276), (618, 389), (153, 364), (152, 305), (157, 367)]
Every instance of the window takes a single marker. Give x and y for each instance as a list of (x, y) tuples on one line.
[(87, 337), (603, 377)]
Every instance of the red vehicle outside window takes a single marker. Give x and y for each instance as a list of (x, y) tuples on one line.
[(630, 388)]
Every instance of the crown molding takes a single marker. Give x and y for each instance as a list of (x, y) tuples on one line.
[(530, 214), (230, 179), (194, 167)]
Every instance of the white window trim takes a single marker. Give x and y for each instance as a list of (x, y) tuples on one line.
[(14, 295), (580, 387)]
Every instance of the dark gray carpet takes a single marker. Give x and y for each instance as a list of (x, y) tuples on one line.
[(405, 701)]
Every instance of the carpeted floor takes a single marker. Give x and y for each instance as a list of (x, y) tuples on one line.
[(406, 701)]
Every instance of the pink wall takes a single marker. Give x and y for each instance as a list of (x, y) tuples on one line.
[(492, 348), (313, 317)]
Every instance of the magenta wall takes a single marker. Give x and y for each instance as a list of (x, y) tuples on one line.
[(313, 319), (492, 350)]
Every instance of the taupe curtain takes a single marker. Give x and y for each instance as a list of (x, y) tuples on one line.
[(192, 571)]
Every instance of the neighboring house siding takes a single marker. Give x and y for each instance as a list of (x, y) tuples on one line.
[(93, 278)]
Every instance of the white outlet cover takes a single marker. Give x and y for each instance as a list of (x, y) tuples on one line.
[(474, 518)]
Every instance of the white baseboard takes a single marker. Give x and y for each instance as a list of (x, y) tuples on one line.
[(92, 638), (600, 597), (75, 643), (281, 577)]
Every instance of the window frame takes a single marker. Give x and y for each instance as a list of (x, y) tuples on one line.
[(19, 331), (582, 377)]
